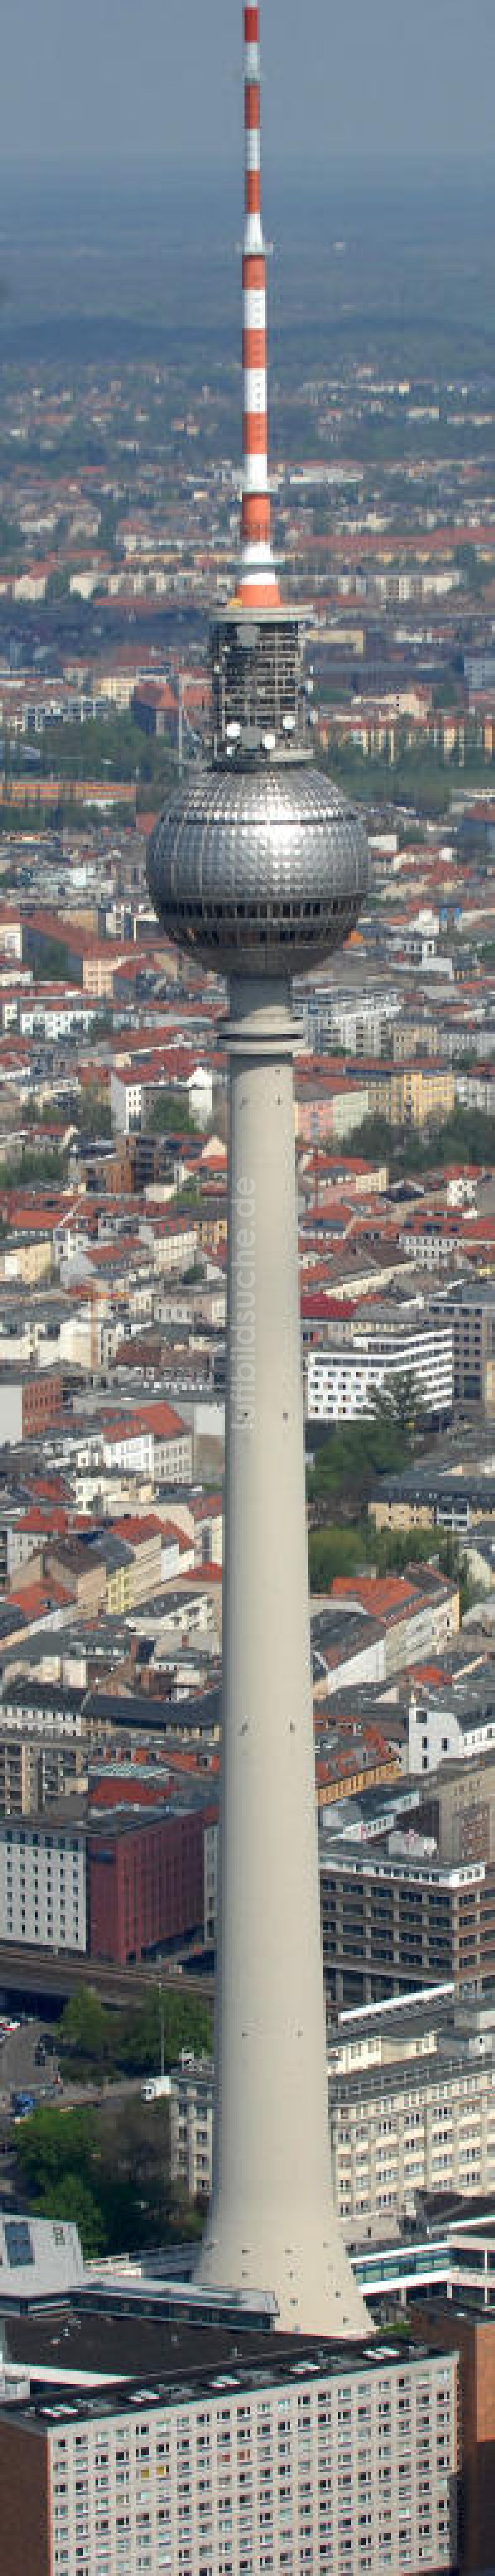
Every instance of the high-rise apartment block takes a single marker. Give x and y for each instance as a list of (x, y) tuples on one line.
[(296, 2457)]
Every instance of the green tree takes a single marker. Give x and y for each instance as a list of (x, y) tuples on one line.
[(34, 1166), (111, 511), (58, 584), (72, 2198), (170, 1115), (474, 572), (113, 743), (92, 1113), (11, 543), (399, 1403), (51, 958), (86, 2027), (335, 1551), (107, 2168), (51, 2143), (351, 1457), (128, 2041)]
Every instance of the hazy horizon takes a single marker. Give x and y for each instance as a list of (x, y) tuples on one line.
[(121, 84), (389, 259)]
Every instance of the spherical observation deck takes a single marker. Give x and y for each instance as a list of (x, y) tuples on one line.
[(259, 869)]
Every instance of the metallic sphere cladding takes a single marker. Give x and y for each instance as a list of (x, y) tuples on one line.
[(258, 870)]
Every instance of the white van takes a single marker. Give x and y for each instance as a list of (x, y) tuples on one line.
[(155, 2087)]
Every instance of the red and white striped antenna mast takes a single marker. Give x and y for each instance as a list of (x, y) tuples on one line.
[(258, 585)]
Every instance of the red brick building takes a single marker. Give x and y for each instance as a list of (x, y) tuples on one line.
[(29, 1404), (145, 1878)]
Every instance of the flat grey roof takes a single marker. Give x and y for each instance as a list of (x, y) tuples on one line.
[(178, 2362), (199, 1712)]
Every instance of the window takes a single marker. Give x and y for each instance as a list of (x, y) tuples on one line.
[(18, 2241)]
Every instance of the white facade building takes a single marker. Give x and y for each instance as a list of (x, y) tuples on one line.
[(439, 1732), (153, 1442), (347, 1376), (43, 1883), (476, 1090), (406, 2129), (300, 2461), (191, 2124), (173, 1244), (126, 1102), (359, 1022), (398, 2126), (39, 2258)]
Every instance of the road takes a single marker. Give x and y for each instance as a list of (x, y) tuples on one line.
[(18, 2070), (20, 2074), (30, 1974)]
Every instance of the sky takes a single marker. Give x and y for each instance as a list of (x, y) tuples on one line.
[(118, 81)]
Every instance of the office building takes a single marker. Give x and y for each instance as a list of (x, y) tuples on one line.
[(350, 1369), (399, 1917), (43, 1880), (414, 2117)]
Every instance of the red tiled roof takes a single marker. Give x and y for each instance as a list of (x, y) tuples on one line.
[(203, 1574), (135, 1530), (324, 1307), (157, 1418), (379, 1594)]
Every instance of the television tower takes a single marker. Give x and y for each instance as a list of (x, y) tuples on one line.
[(258, 867)]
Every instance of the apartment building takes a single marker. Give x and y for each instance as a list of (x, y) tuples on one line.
[(126, 1100), (143, 1534), (150, 1441), (42, 1708), (191, 2124), (34, 1774), (207, 1516), (173, 1242), (349, 1370), (325, 1107), (79, 1571), (473, 2339), (412, 1094), (210, 1881), (454, 1723), (476, 1089), (414, 1035), (27, 1257), (29, 1404), (289, 2456), (416, 1618), (434, 1496), (361, 1023)]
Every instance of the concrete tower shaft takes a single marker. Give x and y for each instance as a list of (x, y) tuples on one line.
[(272, 2222)]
